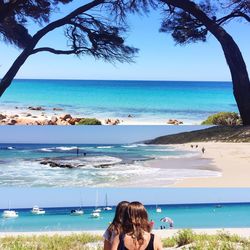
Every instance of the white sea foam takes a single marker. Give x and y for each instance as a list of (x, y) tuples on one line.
[(10, 148), (130, 146), (66, 148), (46, 149), (32, 173), (105, 147)]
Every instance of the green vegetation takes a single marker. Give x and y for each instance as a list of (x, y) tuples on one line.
[(184, 239), (215, 133), (55, 242), (224, 119), (89, 121), (189, 240)]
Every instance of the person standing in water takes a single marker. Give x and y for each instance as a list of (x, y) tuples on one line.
[(203, 150)]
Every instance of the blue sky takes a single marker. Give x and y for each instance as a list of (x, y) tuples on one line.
[(86, 134), (158, 59), (54, 197)]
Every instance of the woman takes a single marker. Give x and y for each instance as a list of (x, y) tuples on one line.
[(136, 229), (115, 227)]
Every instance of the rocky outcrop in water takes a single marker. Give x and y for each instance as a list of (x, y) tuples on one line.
[(70, 165)]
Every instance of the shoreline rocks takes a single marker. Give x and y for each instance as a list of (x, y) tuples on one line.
[(174, 122)]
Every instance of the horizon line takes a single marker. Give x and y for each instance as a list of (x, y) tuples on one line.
[(169, 204), (136, 80)]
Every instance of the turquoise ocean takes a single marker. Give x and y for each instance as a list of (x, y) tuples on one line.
[(185, 216), (147, 101), (96, 165)]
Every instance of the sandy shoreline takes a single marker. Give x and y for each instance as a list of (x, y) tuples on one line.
[(232, 159), (165, 233)]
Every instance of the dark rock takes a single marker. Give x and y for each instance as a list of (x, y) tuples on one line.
[(57, 109), (39, 108), (2, 117)]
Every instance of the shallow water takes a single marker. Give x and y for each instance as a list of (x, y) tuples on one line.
[(147, 101), (103, 165)]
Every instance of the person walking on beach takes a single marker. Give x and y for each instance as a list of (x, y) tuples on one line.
[(136, 230), (203, 150), (116, 225)]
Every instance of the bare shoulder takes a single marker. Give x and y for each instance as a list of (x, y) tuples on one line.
[(157, 243)]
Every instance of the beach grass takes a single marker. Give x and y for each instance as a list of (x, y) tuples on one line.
[(55, 242), (187, 239), (183, 239)]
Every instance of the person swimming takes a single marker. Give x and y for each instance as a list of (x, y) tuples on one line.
[(136, 231), (116, 225)]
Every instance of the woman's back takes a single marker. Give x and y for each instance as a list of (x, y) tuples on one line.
[(127, 242)]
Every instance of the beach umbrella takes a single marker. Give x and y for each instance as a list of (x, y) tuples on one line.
[(167, 220)]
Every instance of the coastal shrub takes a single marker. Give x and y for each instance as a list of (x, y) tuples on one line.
[(169, 242), (184, 237), (89, 121), (223, 118), (55, 242)]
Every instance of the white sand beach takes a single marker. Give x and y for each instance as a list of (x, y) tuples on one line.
[(232, 159)]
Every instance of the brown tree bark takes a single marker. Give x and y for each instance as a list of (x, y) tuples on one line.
[(234, 58)]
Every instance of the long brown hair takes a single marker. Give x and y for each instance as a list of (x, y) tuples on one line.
[(116, 224), (136, 221)]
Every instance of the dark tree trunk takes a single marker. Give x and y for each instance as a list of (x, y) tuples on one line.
[(234, 58), (9, 76), (29, 50)]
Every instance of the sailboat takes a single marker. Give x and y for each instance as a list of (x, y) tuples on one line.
[(96, 212), (158, 209), (107, 208), (10, 213), (78, 211)]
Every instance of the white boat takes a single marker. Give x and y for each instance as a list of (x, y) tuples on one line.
[(158, 209), (77, 212), (95, 214), (107, 208), (37, 210), (10, 214), (96, 210)]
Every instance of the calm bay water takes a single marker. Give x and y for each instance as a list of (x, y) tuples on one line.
[(184, 216), (147, 101)]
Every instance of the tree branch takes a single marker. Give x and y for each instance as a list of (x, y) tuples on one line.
[(55, 51), (233, 15)]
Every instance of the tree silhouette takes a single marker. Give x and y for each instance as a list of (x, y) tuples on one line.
[(86, 34), (188, 22)]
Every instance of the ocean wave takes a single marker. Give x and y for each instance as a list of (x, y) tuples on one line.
[(33, 174), (10, 148), (130, 146), (64, 148), (105, 147), (46, 149)]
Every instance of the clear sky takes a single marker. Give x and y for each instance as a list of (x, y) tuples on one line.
[(87, 134), (53, 197), (159, 58)]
